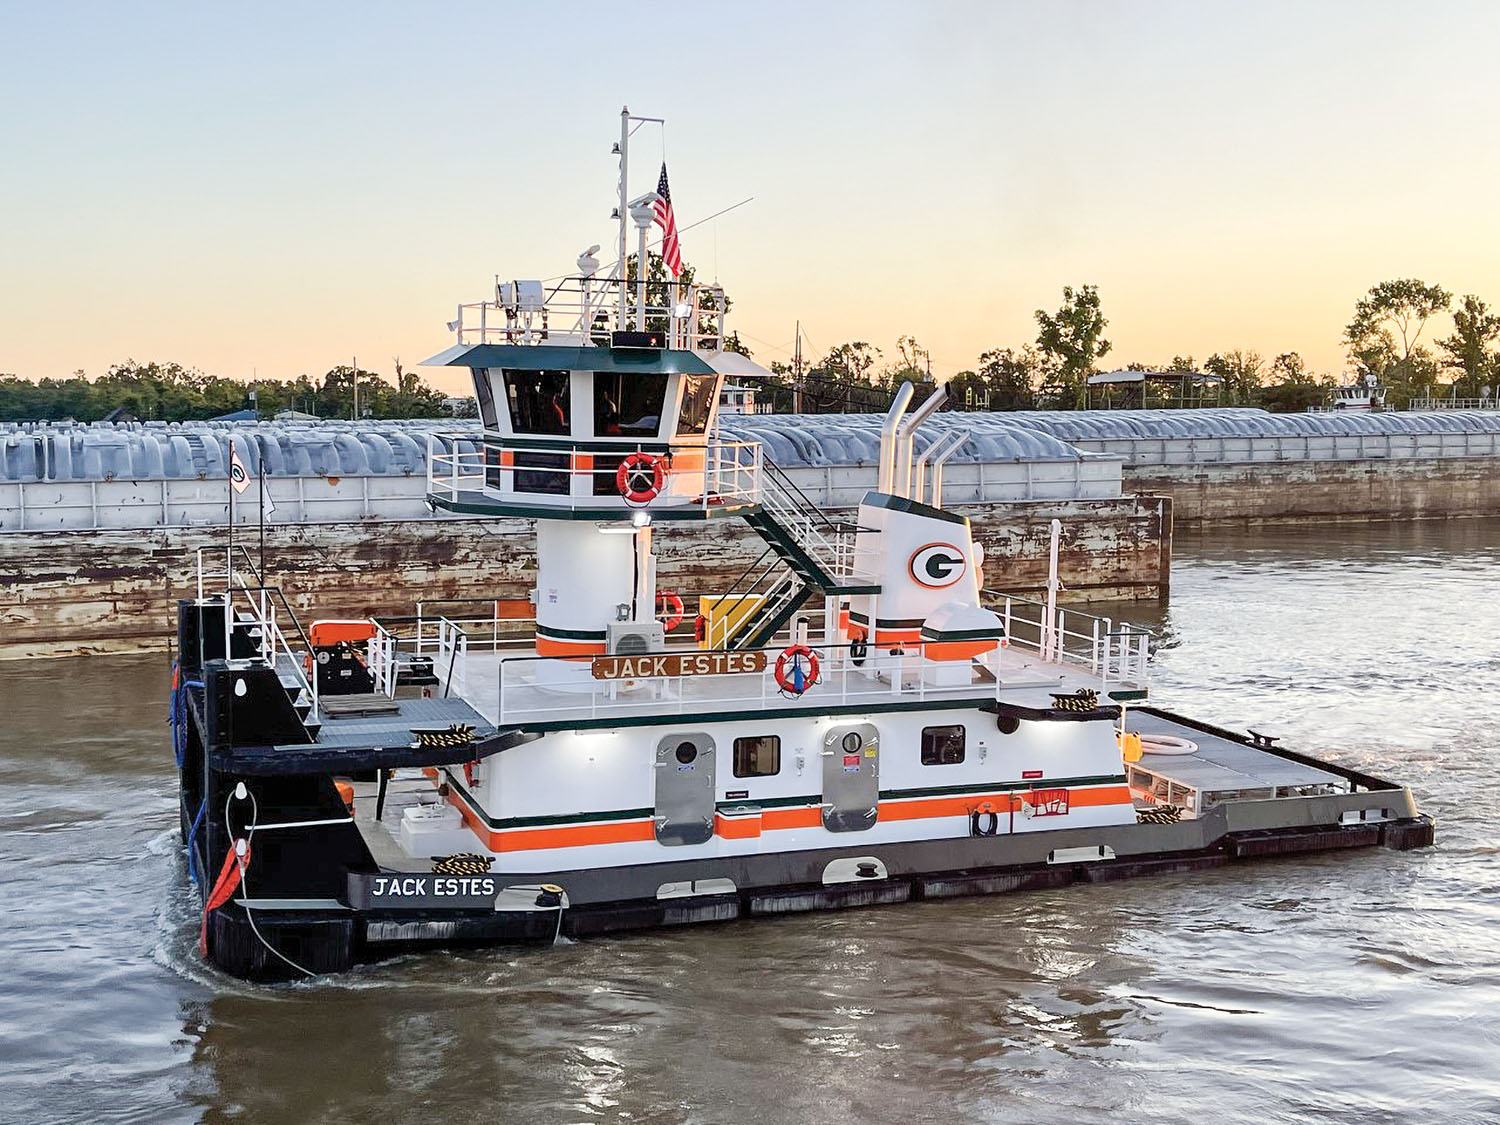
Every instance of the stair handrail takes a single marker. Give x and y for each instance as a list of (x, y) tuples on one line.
[(740, 596)]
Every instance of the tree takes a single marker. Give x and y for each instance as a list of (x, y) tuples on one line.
[(1071, 341), (1471, 347), (1384, 333), (1293, 388), (1009, 378), (1240, 372)]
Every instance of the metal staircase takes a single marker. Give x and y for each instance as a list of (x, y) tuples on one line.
[(807, 555)]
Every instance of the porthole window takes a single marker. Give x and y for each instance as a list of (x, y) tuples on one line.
[(687, 753), (757, 757), (852, 742), (942, 746)]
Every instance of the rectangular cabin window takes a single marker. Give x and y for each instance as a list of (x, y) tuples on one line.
[(942, 746), (485, 394), (628, 405), (757, 757), (697, 403), (540, 402)]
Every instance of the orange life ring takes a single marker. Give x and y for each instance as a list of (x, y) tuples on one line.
[(670, 609), (640, 477), (793, 679)]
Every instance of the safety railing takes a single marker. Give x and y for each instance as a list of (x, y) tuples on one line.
[(258, 602), (829, 543), (719, 476), (1490, 403), (586, 310), (1115, 653), (528, 686)]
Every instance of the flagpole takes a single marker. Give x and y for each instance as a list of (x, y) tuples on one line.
[(260, 449), (229, 557)]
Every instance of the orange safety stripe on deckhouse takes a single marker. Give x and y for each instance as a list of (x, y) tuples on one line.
[(635, 831), (574, 650)]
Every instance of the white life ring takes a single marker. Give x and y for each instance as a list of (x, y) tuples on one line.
[(1167, 745)]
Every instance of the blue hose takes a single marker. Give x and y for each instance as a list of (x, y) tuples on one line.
[(193, 841)]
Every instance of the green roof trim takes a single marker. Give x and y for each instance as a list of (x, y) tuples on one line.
[(901, 504), (551, 357)]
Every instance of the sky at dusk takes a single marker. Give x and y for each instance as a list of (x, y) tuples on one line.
[(272, 188)]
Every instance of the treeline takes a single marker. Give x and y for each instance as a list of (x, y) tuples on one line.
[(1384, 341), (170, 392)]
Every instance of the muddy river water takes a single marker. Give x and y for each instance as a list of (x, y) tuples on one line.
[(1357, 987)]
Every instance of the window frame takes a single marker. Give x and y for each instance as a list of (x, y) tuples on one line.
[(703, 403), (734, 754), (941, 758), (512, 400)]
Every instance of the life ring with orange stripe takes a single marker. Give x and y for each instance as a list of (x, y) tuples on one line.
[(796, 669), (640, 477), (670, 609)]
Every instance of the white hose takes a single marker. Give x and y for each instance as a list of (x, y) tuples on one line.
[(1167, 745)]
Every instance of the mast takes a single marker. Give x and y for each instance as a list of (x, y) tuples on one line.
[(623, 211), (797, 372)]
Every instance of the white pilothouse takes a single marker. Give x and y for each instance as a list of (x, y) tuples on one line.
[(854, 720)]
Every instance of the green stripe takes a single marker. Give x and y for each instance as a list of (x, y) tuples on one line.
[(874, 707), (900, 504), (570, 634), (963, 634), (781, 802), (1007, 786), (478, 504), (770, 802), (563, 445)]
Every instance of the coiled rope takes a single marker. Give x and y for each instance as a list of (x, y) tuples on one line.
[(457, 734), (1159, 814), (1084, 699), (464, 863)]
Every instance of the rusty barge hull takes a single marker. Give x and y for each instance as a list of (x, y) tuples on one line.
[(72, 593)]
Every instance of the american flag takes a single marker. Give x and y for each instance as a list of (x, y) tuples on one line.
[(671, 249)]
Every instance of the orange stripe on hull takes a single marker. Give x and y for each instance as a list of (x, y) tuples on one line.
[(746, 828), (572, 650)]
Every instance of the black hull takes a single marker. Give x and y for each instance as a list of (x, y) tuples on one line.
[(330, 941)]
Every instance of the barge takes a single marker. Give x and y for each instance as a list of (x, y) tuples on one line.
[(857, 720)]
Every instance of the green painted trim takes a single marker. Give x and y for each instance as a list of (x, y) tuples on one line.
[(873, 708), (571, 634), (803, 801), (478, 504), (542, 821), (963, 634), (1006, 786), (1127, 696), (901, 504), (554, 357), (887, 622), (563, 444), (769, 802)]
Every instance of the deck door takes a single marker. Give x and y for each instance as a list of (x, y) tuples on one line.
[(685, 789), (851, 777)]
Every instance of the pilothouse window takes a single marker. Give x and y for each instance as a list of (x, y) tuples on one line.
[(540, 402), (942, 746), (757, 757), (628, 405), (697, 403)]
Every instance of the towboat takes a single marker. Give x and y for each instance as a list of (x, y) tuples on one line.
[(857, 719)]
